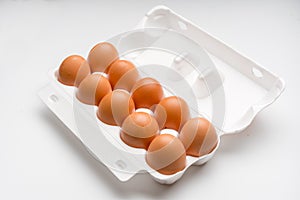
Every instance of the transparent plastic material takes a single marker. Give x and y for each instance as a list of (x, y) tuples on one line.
[(217, 82)]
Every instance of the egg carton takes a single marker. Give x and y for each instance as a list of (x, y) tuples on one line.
[(228, 88)]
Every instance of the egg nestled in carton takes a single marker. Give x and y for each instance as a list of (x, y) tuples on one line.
[(73, 70), (118, 91), (115, 107)]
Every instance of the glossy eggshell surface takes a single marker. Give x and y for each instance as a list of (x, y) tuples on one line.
[(122, 74), (166, 154), (92, 89), (73, 70), (101, 56), (147, 92), (139, 129), (115, 107), (172, 112), (198, 136)]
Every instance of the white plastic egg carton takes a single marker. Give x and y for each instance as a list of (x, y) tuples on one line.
[(246, 87)]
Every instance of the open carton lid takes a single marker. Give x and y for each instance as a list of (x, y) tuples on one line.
[(248, 87)]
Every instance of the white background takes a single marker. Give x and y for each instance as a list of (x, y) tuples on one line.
[(39, 157)]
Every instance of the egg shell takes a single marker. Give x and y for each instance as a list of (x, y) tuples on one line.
[(198, 136), (147, 92), (101, 56), (92, 89), (115, 107), (139, 129), (166, 154), (73, 70), (172, 112), (122, 74)]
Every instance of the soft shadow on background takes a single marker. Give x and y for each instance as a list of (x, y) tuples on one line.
[(143, 183)]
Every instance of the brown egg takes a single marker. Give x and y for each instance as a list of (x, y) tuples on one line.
[(166, 154), (101, 56), (198, 136), (172, 112), (73, 70), (92, 89), (122, 75), (115, 107), (139, 129), (147, 92)]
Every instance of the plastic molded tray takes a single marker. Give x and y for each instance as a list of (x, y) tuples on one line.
[(238, 89)]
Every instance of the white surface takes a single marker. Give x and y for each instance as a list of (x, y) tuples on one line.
[(39, 157)]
